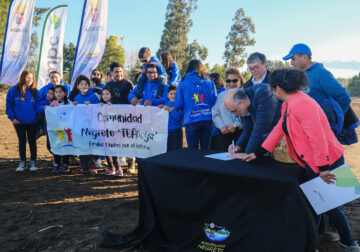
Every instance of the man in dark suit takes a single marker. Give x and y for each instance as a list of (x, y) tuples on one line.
[(259, 110), (257, 66)]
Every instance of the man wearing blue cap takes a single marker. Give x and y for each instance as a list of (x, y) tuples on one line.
[(321, 82), (331, 96)]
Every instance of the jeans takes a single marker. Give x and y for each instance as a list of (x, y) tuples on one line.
[(336, 215), (199, 132), (175, 140), (28, 131)]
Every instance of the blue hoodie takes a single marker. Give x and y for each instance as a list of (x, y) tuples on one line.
[(89, 96), (23, 111), (176, 117), (149, 93), (176, 77), (43, 91), (160, 68), (196, 97), (323, 85)]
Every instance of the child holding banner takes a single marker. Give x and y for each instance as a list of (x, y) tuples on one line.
[(114, 166), (61, 99), (87, 163), (175, 124), (23, 104)]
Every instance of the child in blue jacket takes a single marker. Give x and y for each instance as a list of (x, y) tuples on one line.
[(87, 163), (23, 105), (196, 95), (175, 124)]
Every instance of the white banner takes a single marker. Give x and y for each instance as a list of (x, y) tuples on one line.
[(51, 47), (92, 38), (115, 130), (324, 197), (17, 40)]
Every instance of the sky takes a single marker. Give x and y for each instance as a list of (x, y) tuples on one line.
[(329, 27)]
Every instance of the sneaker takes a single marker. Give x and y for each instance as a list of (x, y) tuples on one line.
[(21, 166), (330, 236), (79, 170), (351, 248), (109, 171), (119, 173), (122, 161), (33, 166), (56, 169), (64, 168), (98, 163), (132, 168), (92, 170)]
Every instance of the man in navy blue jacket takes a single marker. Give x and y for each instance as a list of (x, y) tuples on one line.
[(259, 110)]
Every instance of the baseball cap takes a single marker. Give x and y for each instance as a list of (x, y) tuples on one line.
[(298, 48)]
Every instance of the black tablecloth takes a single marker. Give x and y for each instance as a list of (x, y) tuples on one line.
[(192, 203)]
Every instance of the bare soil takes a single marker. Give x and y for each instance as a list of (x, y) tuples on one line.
[(82, 204)]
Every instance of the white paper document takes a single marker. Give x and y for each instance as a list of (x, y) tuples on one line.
[(220, 156), (324, 197)]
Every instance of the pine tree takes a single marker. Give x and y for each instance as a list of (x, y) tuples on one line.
[(238, 39), (174, 38)]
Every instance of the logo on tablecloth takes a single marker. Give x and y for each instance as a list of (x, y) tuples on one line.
[(215, 233)]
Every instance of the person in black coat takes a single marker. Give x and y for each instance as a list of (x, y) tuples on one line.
[(259, 110), (257, 66)]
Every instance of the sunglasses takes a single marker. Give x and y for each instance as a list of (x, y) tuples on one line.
[(233, 81)]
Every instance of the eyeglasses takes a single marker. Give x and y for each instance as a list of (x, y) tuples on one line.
[(255, 68), (234, 110), (151, 72), (233, 81), (144, 61)]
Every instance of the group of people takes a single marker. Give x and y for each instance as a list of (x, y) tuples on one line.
[(257, 114)]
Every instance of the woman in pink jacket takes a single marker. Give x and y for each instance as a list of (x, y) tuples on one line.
[(309, 139)]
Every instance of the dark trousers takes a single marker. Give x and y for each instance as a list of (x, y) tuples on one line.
[(113, 162), (87, 161), (26, 131), (57, 158), (175, 140), (221, 142), (199, 132)]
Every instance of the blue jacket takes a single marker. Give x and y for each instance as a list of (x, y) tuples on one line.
[(175, 72), (176, 117), (264, 112), (23, 111), (160, 68), (89, 96), (323, 85), (43, 91), (196, 97), (149, 93)]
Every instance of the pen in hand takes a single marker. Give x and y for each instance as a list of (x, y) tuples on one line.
[(233, 147)]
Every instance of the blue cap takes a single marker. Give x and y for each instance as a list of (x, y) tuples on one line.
[(298, 48)]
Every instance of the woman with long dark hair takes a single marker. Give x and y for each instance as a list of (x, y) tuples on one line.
[(23, 104), (196, 95), (171, 68)]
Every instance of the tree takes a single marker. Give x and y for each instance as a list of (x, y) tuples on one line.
[(134, 69), (4, 8), (174, 38), (354, 86), (238, 39), (220, 69), (277, 64), (32, 62), (113, 52), (68, 61)]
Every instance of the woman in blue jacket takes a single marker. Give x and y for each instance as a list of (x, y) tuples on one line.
[(23, 103), (196, 95), (171, 68)]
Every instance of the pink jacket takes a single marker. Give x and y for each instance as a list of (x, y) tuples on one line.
[(310, 133)]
